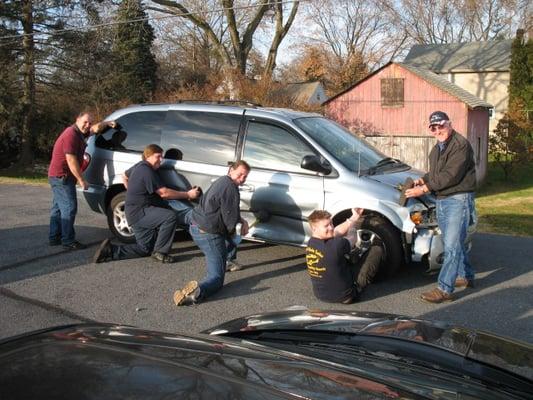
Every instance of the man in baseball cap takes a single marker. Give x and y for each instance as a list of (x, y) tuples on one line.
[(452, 178)]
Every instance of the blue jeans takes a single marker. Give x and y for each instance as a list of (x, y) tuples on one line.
[(63, 211), (214, 247), (455, 213), (153, 232)]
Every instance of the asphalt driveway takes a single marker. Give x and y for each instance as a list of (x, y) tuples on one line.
[(41, 286)]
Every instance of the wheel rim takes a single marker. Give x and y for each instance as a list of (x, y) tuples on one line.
[(367, 238), (120, 222)]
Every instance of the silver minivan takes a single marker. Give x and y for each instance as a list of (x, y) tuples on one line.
[(300, 162)]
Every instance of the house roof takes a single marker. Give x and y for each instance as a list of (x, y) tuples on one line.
[(300, 92), (487, 56), (436, 80)]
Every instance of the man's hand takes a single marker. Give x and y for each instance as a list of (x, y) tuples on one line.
[(417, 191), (83, 183), (356, 214), (194, 193)]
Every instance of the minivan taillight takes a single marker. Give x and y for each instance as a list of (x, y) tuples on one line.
[(85, 162)]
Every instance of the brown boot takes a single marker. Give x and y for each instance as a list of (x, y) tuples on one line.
[(461, 282), (436, 296)]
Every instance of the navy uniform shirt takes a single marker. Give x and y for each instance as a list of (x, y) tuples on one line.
[(143, 182), (331, 275)]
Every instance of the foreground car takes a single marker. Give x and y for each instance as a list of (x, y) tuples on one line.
[(293, 354)]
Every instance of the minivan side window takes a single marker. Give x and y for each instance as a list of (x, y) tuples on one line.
[(271, 147), (134, 133), (202, 136)]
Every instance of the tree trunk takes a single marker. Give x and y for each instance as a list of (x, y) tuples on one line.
[(28, 95), (281, 31)]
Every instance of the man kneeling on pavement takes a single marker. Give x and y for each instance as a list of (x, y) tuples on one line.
[(153, 221), (213, 224), (328, 257)]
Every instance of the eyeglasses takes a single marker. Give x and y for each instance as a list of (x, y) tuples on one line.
[(434, 128)]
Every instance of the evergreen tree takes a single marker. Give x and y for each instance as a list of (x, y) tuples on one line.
[(134, 66), (512, 141), (519, 69)]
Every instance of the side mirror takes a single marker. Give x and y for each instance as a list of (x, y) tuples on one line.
[(315, 163)]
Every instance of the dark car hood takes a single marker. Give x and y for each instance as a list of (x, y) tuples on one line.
[(502, 352)]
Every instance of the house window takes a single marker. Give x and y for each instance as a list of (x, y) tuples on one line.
[(492, 113), (392, 92)]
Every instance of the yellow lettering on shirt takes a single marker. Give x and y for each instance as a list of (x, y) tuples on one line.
[(313, 258)]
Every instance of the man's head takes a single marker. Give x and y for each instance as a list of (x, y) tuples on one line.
[(238, 172), (321, 224), (440, 126), (153, 155), (84, 120)]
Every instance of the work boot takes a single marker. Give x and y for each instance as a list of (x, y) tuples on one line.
[(461, 282), (164, 258), (75, 245), (232, 266), (104, 253), (188, 295), (436, 296)]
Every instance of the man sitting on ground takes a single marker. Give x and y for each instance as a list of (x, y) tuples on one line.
[(328, 251)]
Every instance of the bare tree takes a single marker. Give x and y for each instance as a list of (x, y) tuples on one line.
[(449, 21), (352, 29), (240, 23)]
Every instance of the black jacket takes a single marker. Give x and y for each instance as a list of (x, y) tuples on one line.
[(452, 171), (218, 210)]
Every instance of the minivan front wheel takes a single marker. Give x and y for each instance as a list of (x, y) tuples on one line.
[(376, 230), (116, 219)]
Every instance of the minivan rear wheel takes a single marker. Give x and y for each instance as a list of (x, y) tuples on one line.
[(116, 219), (376, 230)]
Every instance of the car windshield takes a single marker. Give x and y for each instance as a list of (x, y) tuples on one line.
[(354, 153)]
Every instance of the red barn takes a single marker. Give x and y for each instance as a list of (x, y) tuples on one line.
[(392, 105)]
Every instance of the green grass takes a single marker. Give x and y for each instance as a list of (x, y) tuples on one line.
[(18, 175), (506, 205)]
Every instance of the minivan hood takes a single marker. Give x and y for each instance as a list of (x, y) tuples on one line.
[(396, 178)]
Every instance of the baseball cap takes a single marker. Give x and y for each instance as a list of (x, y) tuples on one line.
[(438, 118)]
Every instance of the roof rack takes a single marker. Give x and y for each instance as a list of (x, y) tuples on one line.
[(234, 102)]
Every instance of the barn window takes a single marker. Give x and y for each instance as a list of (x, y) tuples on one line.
[(392, 92)]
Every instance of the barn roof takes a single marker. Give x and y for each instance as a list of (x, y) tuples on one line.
[(436, 80)]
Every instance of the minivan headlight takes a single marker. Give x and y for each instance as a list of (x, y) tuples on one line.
[(423, 217)]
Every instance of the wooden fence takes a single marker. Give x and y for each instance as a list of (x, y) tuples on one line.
[(413, 150)]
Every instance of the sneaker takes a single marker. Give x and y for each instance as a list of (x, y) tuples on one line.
[(104, 252), (188, 295), (232, 266), (164, 258), (461, 282), (436, 296), (75, 245)]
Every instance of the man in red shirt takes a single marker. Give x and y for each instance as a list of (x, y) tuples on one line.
[(63, 173)]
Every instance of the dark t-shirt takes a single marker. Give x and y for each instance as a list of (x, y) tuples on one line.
[(70, 141), (143, 182), (331, 275)]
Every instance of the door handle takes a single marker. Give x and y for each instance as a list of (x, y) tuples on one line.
[(246, 188)]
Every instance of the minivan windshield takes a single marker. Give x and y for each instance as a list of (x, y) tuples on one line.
[(354, 153)]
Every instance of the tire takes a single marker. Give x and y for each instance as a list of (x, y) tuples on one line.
[(375, 230), (116, 219)]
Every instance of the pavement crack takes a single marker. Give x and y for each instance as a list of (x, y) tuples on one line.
[(46, 306)]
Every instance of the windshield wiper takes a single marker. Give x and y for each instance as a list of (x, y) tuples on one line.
[(384, 162)]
